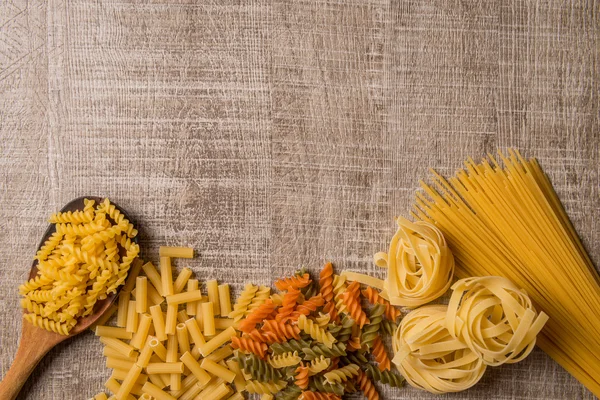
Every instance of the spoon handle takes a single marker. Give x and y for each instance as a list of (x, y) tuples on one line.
[(35, 343)]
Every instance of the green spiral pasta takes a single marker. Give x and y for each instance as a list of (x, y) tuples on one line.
[(259, 369), (371, 330), (354, 358), (387, 377), (343, 331), (290, 346), (318, 384), (388, 327), (291, 392), (337, 350)]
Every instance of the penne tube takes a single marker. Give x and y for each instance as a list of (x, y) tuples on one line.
[(146, 353), (114, 386), (176, 252), (217, 341), (158, 321), (132, 317), (184, 297), (141, 334), (236, 396), (113, 332), (171, 320), (157, 381), (141, 297), (220, 354), (100, 396), (132, 274), (129, 381), (208, 319), (172, 346), (181, 280), (145, 396), (120, 374), (154, 297), (182, 316), (118, 345), (166, 273), (239, 380), (217, 393), (183, 338), (199, 316), (217, 370), (212, 289), (194, 331), (158, 348), (119, 363), (224, 300), (154, 277), (110, 352), (156, 392), (195, 368), (122, 309), (192, 393), (191, 306), (174, 368), (186, 383), (223, 323)]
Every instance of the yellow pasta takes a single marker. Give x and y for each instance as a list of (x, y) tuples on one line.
[(173, 368), (156, 392), (122, 309), (118, 345), (212, 289), (183, 338), (217, 341), (193, 392), (139, 338), (220, 354), (113, 332), (342, 374), (223, 323), (118, 363), (208, 319), (240, 307), (171, 320), (158, 321), (224, 300), (141, 297), (114, 386), (110, 352), (192, 285), (236, 396), (217, 393), (217, 370), (121, 374), (132, 317), (239, 381), (166, 273), (154, 277), (100, 396), (129, 381), (194, 331), (200, 373), (364, 279), (182, 316), (146, 353), (181, 280), (158, 348), (186, 384), (264, 387), (157, 381), (289, 359), (103, 319), (176, 252), (317, 333), (184, 297), (154, 297)]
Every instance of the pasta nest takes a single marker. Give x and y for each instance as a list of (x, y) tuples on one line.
[(429, 358), (420, 264), (494, 318)]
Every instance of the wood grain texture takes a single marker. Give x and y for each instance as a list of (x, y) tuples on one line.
[(271, 134)]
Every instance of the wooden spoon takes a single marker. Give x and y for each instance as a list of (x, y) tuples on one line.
[(36, 342)]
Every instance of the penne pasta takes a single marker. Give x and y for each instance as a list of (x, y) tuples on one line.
[(154, 277), (141, 297), (223, 323), (176, 252), (119, 363), (217, 341), (181, 280), (110, 352), (154, 297), (113, 332), (122, 309), (158, 348), (201, 375), (129, 381), (194, 331), (141, 334), (212, 289), (172, 346), (183, 338), (191, 306), (173, 368), (114, 386), (186, 383), (132, 317), (146, 353), (132, 274), (158, 321), (184, 297), (217, 370), (166, 273), (239, 380), (171, 321), (208, 319), (156, 392), (118, 345), (224, 300), (182, 316)]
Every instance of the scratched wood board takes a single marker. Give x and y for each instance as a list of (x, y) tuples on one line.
[(270, 135)]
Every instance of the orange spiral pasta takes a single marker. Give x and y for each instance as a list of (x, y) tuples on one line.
[(248, 345), (367, 387), (302, 377), (326, 282), (278, 332), (308, 306), (257, 316), (288, 305), (334, 364), (296, 282), (308, 395), (351, 299), (258, 336), (391, 312), (381, 356), (329, 308), (355, 342)]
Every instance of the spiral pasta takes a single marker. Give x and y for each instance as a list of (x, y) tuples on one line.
[(322, 320), (260, 297), (308, 306), (264, 387), (315, 332), (259, 369), (342, 374), (318, 350), (319, 364), (387, 377), (242, 303), (296, 282), (308, 395), (351, 300), (429, 358), (288, 304), (367, 387), (371, 330), (78, 265), (280, 331), (257, 316), (326, 282), (284, 360), (420, 264), (249, 345), (391, 312), (301, 378), (495, 319)]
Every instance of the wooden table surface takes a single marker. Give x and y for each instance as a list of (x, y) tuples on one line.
[(271, 134)]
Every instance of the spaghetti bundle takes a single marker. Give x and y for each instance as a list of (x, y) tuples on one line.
[(506, 220)]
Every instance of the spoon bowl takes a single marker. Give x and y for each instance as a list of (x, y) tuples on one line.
[(36, 342)]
